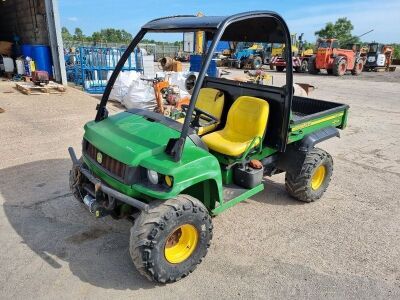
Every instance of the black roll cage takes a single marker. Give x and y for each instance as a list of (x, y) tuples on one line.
[(175, 146)]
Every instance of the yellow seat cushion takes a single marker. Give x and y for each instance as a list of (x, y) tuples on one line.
[(247, 120), (212, 101)]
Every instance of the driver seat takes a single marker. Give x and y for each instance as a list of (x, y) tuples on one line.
[(212, 101), (245, 127)]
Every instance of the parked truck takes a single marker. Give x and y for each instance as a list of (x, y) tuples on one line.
[(300, 57)]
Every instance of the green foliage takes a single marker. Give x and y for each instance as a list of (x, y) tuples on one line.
[(109, 35), (396, 53), (112, 35), (66, 35), (79, 34), (340, 30)]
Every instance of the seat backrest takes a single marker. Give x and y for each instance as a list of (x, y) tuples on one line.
[(212, 101), (248, 117)]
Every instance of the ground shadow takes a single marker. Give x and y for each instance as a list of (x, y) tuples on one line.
[(39, 206), (275, 193)]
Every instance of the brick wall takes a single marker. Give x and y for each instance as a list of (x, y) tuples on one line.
[(26, 18)]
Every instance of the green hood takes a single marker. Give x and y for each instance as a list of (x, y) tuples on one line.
[(128, 137), (139, 141)]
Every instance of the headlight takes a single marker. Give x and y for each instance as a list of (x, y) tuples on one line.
[(152, 176)]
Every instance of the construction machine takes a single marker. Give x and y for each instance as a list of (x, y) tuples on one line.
[(379, 57), (249, 55), (300, 56), (335, 60)]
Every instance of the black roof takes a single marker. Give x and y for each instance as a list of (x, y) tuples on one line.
[(245, 26), (185, 23)]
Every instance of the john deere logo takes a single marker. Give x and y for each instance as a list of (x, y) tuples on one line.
[(99, 157)]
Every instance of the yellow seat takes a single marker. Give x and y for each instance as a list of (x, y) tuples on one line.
[(247, 121), (212, 101)]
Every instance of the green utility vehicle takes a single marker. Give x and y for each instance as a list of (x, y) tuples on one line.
[(171, 176)]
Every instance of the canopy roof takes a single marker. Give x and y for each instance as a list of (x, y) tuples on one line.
[(256, 26)]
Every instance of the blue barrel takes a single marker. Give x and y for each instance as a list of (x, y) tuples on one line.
[(196, 62), (26, 50), (42, 57)]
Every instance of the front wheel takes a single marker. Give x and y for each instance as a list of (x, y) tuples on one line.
[(312, 69), (76, 182), (339, 66), (314, 177), (358, 67), (257, 63), (170, 240)]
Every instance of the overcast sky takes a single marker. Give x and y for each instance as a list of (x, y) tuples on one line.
[(302, 16)]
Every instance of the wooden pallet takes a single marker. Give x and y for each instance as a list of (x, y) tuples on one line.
[(30, 88)]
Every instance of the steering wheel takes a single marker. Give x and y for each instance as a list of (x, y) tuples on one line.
[(197, 113)]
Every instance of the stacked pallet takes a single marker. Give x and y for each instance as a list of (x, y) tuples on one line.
[(29, 88)]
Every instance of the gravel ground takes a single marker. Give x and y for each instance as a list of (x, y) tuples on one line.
[(347, 245)]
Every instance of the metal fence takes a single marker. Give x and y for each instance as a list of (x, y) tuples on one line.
[(90, 67), (158, 50)]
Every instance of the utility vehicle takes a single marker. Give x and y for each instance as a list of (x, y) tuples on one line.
[(334, 60), (170, 176)]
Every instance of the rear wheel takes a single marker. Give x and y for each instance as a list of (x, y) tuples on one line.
[(280, 68), (339, 66), (171, 239), (311, 66), (304, 66), (358, 67), (271, 66), (314, 177)]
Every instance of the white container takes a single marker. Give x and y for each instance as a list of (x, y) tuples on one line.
[(7, 64), (20, 66), (148, 66)]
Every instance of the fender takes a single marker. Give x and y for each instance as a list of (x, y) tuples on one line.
[(292, 160), (310, 140)]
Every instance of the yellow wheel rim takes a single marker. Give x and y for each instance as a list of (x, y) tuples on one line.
[(181, 243), (318, 177)]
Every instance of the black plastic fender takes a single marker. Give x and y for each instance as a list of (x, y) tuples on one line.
[(293, 158)]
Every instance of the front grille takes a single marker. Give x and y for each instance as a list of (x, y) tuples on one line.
[(115, 167)]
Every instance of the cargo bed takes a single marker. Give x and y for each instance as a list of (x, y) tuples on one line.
[(307, 112)]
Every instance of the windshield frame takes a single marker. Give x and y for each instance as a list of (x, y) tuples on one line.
[(175, 146)]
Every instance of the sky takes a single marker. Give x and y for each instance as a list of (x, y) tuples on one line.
[(302, 16)]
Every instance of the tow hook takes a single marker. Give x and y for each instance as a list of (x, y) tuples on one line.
[(94, 206)]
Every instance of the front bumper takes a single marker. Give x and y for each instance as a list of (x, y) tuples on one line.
[(101, 186)]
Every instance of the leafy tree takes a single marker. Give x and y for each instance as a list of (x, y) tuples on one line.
[(79, 34), (112, 35), (396, 53), (340, 30), (66, 35)]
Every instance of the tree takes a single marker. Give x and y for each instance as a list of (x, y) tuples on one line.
[(112, 35), (396, 53), (340, 30), (66, 36), (79, 34)]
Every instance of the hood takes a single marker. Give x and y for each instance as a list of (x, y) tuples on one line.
[(130, 138)]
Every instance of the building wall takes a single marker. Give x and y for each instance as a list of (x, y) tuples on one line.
[(25, 18)]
